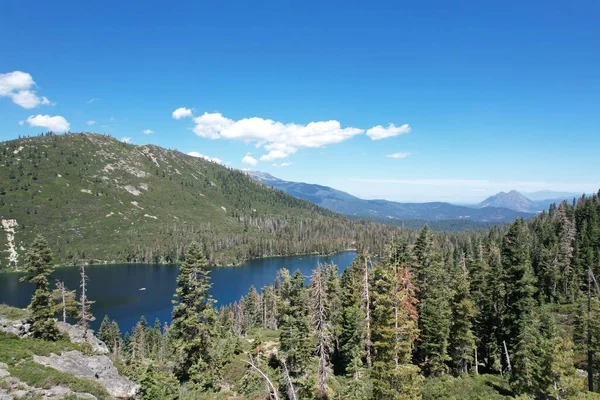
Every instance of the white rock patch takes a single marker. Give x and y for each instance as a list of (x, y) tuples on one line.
[(223, 208), (135, 203), (132, 190), (150, 216), (144, 186), (9, 225), (88, 191), (110, 214), (18, 150)]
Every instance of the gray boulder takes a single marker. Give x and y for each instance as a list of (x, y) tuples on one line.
[(19, 327), (76, 335), (98, 368)]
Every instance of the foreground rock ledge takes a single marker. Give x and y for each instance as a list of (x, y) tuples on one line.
[(98, 368)]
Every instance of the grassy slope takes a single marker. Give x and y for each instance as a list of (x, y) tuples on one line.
[(77, 189)]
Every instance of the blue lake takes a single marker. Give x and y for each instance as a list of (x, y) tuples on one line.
[(116, 290)]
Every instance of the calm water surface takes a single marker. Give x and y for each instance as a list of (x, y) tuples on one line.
[(115, 288)]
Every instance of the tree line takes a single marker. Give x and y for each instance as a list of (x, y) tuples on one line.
[(519, 304)]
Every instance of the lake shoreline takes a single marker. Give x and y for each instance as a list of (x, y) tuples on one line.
[(102, 263)]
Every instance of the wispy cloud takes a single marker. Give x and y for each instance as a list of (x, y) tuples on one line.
[(480, 185), (379, 132), (90, 123), (18, 86), (147, 131), (126, 140), (280, 139), (93, 99), (398, 155), (283, 164), (208, 158)]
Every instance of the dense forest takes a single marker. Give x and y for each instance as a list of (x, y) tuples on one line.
[(510, 313), (101, 200)]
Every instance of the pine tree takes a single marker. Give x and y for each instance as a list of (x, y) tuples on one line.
[(295, 336), (462, 339), (352, 324), (105, 332), (251, 304), (320, 309), (139, 342), (394, 328), (519, 284), (434, 319), (269, 305), (193, 321), (37, 270)]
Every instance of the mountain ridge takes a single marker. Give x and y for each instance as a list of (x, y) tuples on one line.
[(345, 203)]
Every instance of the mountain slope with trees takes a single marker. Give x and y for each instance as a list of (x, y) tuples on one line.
[(100, 200)]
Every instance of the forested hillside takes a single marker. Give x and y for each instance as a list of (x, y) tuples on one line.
[(511, 313), (98, 199)]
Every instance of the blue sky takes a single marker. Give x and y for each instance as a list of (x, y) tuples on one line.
[(483, 96)]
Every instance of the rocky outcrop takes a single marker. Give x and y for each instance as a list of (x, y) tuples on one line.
[(76, 335), (15, 389), (20, 327), (98, 367)]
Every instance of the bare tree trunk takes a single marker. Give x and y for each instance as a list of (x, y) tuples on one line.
[(476, 362), (509, 367), (291, 392), (274, 394)]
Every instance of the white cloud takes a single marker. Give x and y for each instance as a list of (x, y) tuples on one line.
[(55, 124), (379, 132), (147, 131), (279, 139), (21, 123), (283, 164), (90, 101), (398, 155), (126, 140), (90, 123), (208, 158), (181, 112), (248, 159), (17, 86)]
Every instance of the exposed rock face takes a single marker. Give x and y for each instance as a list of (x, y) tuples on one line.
[(17, 389), (98, 367), (76, 335), (15, 327)]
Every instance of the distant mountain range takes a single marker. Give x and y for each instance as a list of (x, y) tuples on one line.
[(519, 202), (347, 204)]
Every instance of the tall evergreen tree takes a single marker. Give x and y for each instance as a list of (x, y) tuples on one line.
[(394, 328), (462, 339), (193, 321), (519, 284), (352, 324), (320, 310), (295, 336), (38, 268)]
